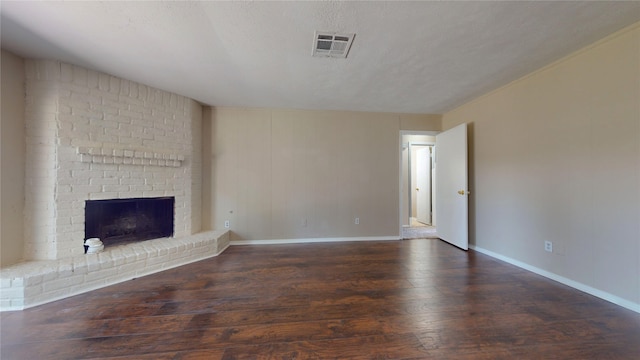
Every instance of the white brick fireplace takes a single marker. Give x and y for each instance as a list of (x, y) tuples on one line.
[(92, 136)]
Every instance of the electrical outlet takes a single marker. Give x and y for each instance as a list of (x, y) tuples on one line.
[(357, 221), (548, 246), (227, 224)]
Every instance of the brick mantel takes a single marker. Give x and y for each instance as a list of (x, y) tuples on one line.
[(106, 155)]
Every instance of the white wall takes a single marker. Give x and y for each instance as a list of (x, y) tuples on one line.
[(404, 187), (556, 156), (12, 160)]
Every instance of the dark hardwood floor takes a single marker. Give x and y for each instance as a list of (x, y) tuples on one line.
[(412, 299)]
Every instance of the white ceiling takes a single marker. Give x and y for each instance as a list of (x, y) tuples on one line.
[(411, 57)]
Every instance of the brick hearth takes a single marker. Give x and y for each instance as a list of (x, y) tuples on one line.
[(93, 136), (36, 282)]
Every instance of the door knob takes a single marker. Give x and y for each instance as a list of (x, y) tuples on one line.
[(461, 192), (417, 189)]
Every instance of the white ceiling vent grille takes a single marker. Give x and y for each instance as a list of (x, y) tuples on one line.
[(330, 44)]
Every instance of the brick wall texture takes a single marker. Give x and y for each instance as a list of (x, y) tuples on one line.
[(94, 136)]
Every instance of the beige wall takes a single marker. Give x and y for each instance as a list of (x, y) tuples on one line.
[(420, 122), (556, 156), (294, 174), (12, 159)]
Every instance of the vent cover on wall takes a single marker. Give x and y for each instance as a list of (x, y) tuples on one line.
[(330, 44)]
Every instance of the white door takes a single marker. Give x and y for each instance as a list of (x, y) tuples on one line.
[(452, 190), (423, 185)]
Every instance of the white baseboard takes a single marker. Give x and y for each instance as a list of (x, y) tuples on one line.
[(574, 284), (312, 240)]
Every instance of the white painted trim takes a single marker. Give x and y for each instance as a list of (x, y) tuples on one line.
[(571, 283), (311, 240)]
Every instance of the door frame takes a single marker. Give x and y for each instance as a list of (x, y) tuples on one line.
[(401, 145)]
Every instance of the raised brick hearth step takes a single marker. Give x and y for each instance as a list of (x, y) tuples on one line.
[(33, 283)]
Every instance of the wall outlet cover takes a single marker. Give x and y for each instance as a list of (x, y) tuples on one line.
[(548, 246)]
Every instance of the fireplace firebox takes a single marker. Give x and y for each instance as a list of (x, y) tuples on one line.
[(119, 221)]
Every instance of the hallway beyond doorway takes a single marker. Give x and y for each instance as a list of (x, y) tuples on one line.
[(418, 230)]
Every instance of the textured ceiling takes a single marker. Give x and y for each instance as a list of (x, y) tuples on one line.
[(411, 57)]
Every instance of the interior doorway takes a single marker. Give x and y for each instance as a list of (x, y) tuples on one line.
[(421, 166), (417, 179)]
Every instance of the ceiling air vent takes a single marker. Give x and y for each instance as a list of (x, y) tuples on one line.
[(330, 44)]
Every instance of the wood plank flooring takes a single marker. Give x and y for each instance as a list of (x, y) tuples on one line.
[(412, 299)]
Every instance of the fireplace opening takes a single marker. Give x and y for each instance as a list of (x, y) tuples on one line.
[(118, 221)]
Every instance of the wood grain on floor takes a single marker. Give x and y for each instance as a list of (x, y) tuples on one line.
[(412, 299)]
